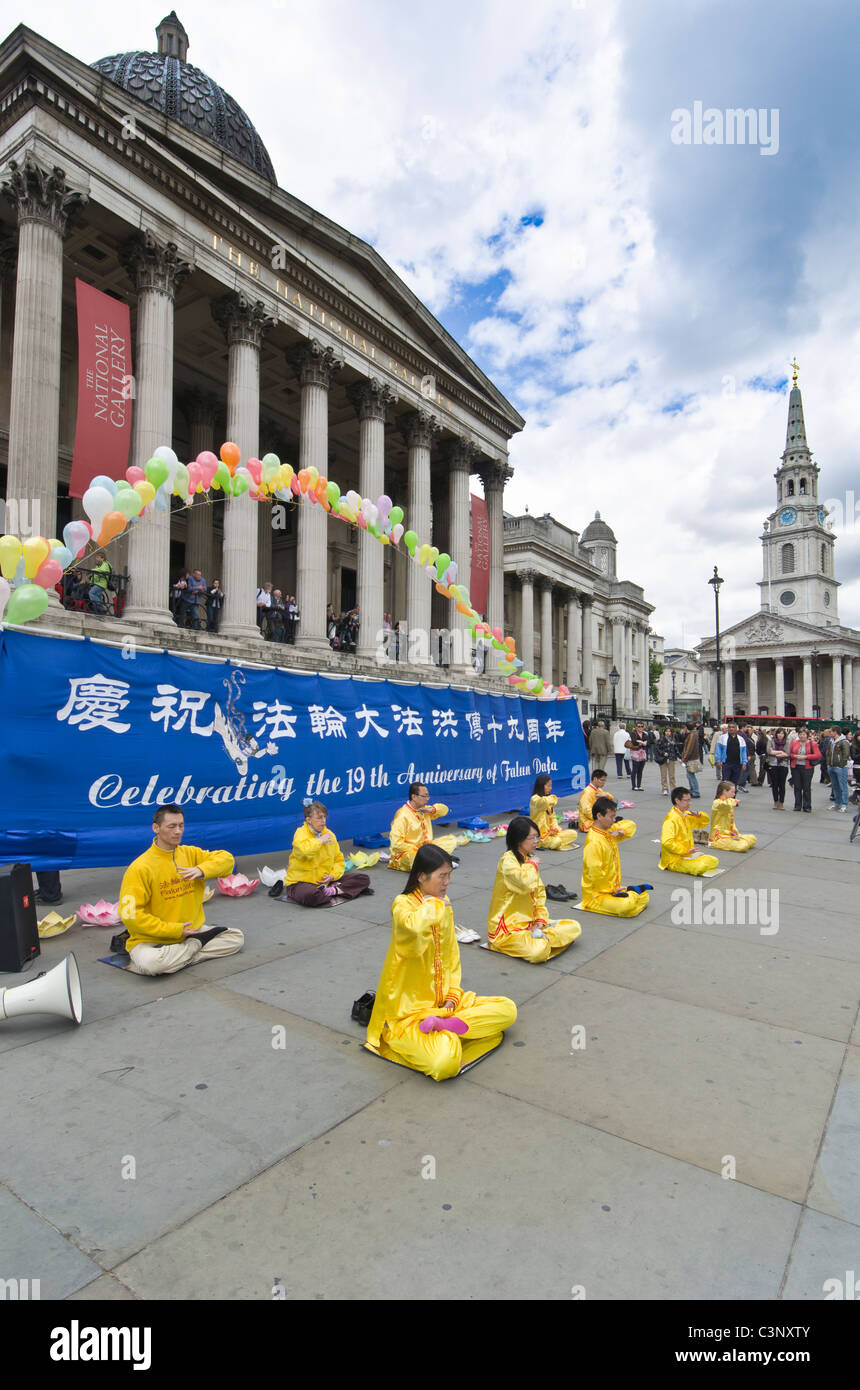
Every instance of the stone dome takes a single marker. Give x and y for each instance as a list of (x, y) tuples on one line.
[(597, 530), (172, 86)]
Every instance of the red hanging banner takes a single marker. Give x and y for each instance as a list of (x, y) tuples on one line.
[(479, 586), (105, 388)]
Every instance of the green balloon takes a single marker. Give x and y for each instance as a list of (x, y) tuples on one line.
[(239, 484), (129, 503), (333, 493), (180, 482), (222, 478), (410, 540), (395, 516), (27, 602), (123, 485), (156, 472), (270, 461), (442, 564)]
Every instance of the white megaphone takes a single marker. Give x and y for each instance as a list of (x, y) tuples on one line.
[(56, 991)]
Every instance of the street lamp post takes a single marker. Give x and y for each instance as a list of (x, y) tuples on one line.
[(717, 582), (674, 673), (816, 712), (614, 678)]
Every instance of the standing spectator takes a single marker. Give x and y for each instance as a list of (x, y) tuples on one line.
[(652, 739), (214, 606), (824, 745), (749, 765), (599, 744), (195, 597), (292, 619), (731, 754), (803, 754), (777, 766), (264, 603), (277, 617), (619, 744), (691, 758), (838, 752), (665, 756), (638, 744), (177, 594), (761, 754)]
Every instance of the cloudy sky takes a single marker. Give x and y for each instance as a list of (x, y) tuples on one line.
[(638, 299)]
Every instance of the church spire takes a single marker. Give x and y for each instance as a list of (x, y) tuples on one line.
[(796, 448)]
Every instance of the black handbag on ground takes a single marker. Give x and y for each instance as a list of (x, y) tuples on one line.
[(363, 1007)]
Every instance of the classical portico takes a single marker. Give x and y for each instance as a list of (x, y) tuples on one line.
[(245, 307)]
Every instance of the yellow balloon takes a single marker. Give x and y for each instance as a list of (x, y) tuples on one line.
[(10, 554), (313, 478), (36, 549), (424, 554), (145, 492), (286, 474)]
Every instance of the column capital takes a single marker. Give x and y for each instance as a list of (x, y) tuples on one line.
[(153, 265), (527, 576), (460, 454), (617, 620), (242, 320), (494, 475), (587, 600), (371, 398), (38, 195), (314, 363), (419, 428)]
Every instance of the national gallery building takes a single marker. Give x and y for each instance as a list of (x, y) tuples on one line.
[(254, 319)]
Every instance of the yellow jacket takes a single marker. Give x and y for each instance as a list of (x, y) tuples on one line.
[(676, 837), (412, 829), (155, 903), (601, 862), (542, 812), (421, 969), (519, 897), (310, 861), (586, 801), (723, 819)]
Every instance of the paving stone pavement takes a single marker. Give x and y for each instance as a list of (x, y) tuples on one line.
[(674, 1114)]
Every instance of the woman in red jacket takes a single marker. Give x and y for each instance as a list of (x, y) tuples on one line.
[(804, 755)]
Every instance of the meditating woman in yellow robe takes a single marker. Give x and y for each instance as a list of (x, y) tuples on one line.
[(411, 828), (542, 810), (601, 865), (676, 838), (519, 924), (723, 832), (596, 788), (422, 1017), (315, 875)]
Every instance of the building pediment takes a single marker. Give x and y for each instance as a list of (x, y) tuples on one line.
[(767, 630)]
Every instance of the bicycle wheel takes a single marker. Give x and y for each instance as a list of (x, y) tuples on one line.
[(854, 828)]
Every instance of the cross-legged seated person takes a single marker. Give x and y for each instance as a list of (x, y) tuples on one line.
[(161, 902), (422, 1017), (596, 788), (676, 838), (542, 811), (412, 828), (519, 924), (601, 865), (315, 876), (724, 834)]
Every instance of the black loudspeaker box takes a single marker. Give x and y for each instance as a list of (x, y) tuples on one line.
[(19, 931)]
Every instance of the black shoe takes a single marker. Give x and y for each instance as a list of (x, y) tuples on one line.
[(277, 889), (367, 892), (39, 897), (455, 860), (204, 936)]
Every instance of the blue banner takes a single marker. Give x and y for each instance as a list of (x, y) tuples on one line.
[(95, 737)]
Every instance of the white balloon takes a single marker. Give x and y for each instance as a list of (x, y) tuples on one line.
[(97, 502), (165, 452)]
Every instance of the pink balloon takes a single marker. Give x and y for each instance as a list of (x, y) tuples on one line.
[(194, 478), (295, 486), (206, 459), (396, 534), (362, 521), (49, 573), (255, 468), (135, 475), (498, 634)]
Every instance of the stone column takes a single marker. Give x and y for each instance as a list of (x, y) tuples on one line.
[(729, 690), (43, 205), (315, 365), (779, 668), (574, 619), (837, 687), (808, 698), (461, 457), (244, 323), (848, 688), (419, 429), (494, 476), (587, 649), (546, 631), (370, 400), (618, 631), (157, 272), (753, 665), (526, 641), (201, 409)]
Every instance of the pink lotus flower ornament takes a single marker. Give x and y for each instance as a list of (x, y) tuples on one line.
[(237, 885), (100, 914)]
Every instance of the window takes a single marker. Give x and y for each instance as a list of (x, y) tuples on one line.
[(790, 492), (787, 598), (740, 683), (787, 559), (824, 559), (803, 487), (788, 678)]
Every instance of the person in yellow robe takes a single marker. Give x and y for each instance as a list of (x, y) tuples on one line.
[(676, 838), (422, 1017), (519, 924), (601, 865), (161, 902), (411, 828), (315, 874), (724, 834), (542, 811), (596, 788)]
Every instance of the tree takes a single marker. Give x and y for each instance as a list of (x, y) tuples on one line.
[(655, 671)]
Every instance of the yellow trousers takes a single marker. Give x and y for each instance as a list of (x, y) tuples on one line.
[(443, 1055), (696, 867), (739, 844), (628, 906), (563, 840), (535, 949)]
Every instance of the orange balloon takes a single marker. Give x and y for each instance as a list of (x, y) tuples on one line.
[(303, 478), (465, 610), (112, 525), (230, 454), (510, 643), (444, 590)]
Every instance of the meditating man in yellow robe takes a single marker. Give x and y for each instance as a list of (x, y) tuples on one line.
[(542, 810), (602, 890), (723, 832), (519, 924), (422, 1017), (596, 788), (411, 828), (676, 838), (315, 874)]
